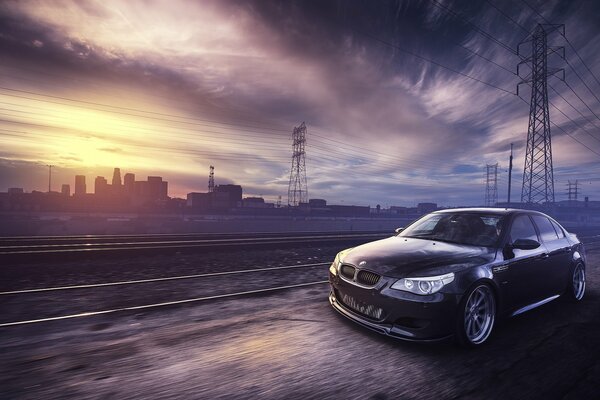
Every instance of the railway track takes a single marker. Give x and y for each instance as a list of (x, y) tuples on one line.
[(24, 246), (315, 277)]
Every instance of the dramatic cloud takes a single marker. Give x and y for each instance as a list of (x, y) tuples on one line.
[(404, 101)]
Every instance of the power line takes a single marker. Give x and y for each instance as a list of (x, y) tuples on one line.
[(577, 110), (508, 16), (566, 39), (412, 53), (582, 81), (475, 27), (585, 130), (567, 133), (581, 59)]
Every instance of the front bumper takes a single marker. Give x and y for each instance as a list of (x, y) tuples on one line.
[(403, 315)]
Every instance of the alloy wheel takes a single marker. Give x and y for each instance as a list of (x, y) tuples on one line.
[(579, 282), (480, 313)]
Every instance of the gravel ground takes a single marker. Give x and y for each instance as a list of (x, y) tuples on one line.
[(287, 344)]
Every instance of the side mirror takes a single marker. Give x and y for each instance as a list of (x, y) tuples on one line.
[(525, 244), (398, 230)]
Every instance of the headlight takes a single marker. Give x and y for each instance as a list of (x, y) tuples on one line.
[(336, 264), (423, 286)]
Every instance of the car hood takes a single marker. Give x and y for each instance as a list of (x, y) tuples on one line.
[(399, 257)]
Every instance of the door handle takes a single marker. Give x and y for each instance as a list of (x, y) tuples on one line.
[(543, 256)]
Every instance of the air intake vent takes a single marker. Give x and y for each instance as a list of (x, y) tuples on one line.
[(348, 271), (367, 278)]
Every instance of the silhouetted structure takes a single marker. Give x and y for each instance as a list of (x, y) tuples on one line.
[(152, 191), (101, 186), (510, 168), (538, 173), (491, 185), (116, 180), (129, 184), (298, 186), (80, 188), (50, 177), (317, 203), (573, 190), (424, 208), (65, 190), (211, 180)]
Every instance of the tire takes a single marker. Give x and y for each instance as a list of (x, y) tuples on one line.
[(476, 316), (576, 285)]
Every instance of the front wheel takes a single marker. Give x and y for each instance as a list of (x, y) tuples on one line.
[(476, 316), (576, 288)]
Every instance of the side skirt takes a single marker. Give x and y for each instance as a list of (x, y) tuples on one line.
[(534, 305)]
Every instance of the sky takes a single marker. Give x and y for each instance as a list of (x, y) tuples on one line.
[(404, 101)]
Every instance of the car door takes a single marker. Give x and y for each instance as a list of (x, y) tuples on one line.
[(525, 267), (556, 266)]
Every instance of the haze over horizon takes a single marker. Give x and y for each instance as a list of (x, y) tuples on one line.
[(169, 88)]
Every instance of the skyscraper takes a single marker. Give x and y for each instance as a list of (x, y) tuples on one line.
[(80, 188), (129, 183), (116, 180), (100, 186)]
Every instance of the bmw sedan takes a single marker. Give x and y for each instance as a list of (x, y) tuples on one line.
[(455, 272)]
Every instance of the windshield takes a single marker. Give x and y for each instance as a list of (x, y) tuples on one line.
[(464, 228)]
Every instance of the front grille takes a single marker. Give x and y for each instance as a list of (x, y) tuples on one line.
[(367, 278), (348, 271)]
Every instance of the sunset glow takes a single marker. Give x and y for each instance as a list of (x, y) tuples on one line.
[(170, 89)]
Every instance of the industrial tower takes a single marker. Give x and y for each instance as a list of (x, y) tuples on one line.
[(573, 190), (538, 174), (298, 187), (211, 180), (491, 185)]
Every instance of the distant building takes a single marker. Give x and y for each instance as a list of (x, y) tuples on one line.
[(425, 208), (253, 202), (129, 183), (157, 188), (399, 210), (152, 191), (198, 201), (65, 189), (234, 192), (116, 180), (317, 203), (80, 188), (100, 186), (14, 191)]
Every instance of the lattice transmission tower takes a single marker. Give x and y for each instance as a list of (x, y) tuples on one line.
[(298, 187), (538, 173), (491, 185), (573, 190), (211, 180)]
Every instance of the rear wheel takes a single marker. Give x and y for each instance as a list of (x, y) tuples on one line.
[(576, 288), (476, 316)]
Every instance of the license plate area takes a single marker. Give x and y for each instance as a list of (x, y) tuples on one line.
[(368, 310)]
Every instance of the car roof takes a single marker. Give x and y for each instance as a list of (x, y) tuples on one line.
[(488, 210)]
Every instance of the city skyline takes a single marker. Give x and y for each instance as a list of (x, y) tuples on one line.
[(182, 86)]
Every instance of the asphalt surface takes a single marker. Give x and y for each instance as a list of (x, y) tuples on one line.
[(284, 344)]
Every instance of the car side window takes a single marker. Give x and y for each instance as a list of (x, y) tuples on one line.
[(522, 228), (547, 231), (559, 231)]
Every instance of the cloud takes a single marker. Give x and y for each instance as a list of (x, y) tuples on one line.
[(173, 87)]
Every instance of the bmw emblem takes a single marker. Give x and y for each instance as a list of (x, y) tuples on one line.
[(362, 263)]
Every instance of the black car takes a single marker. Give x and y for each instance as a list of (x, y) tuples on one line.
[(454, 272)]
